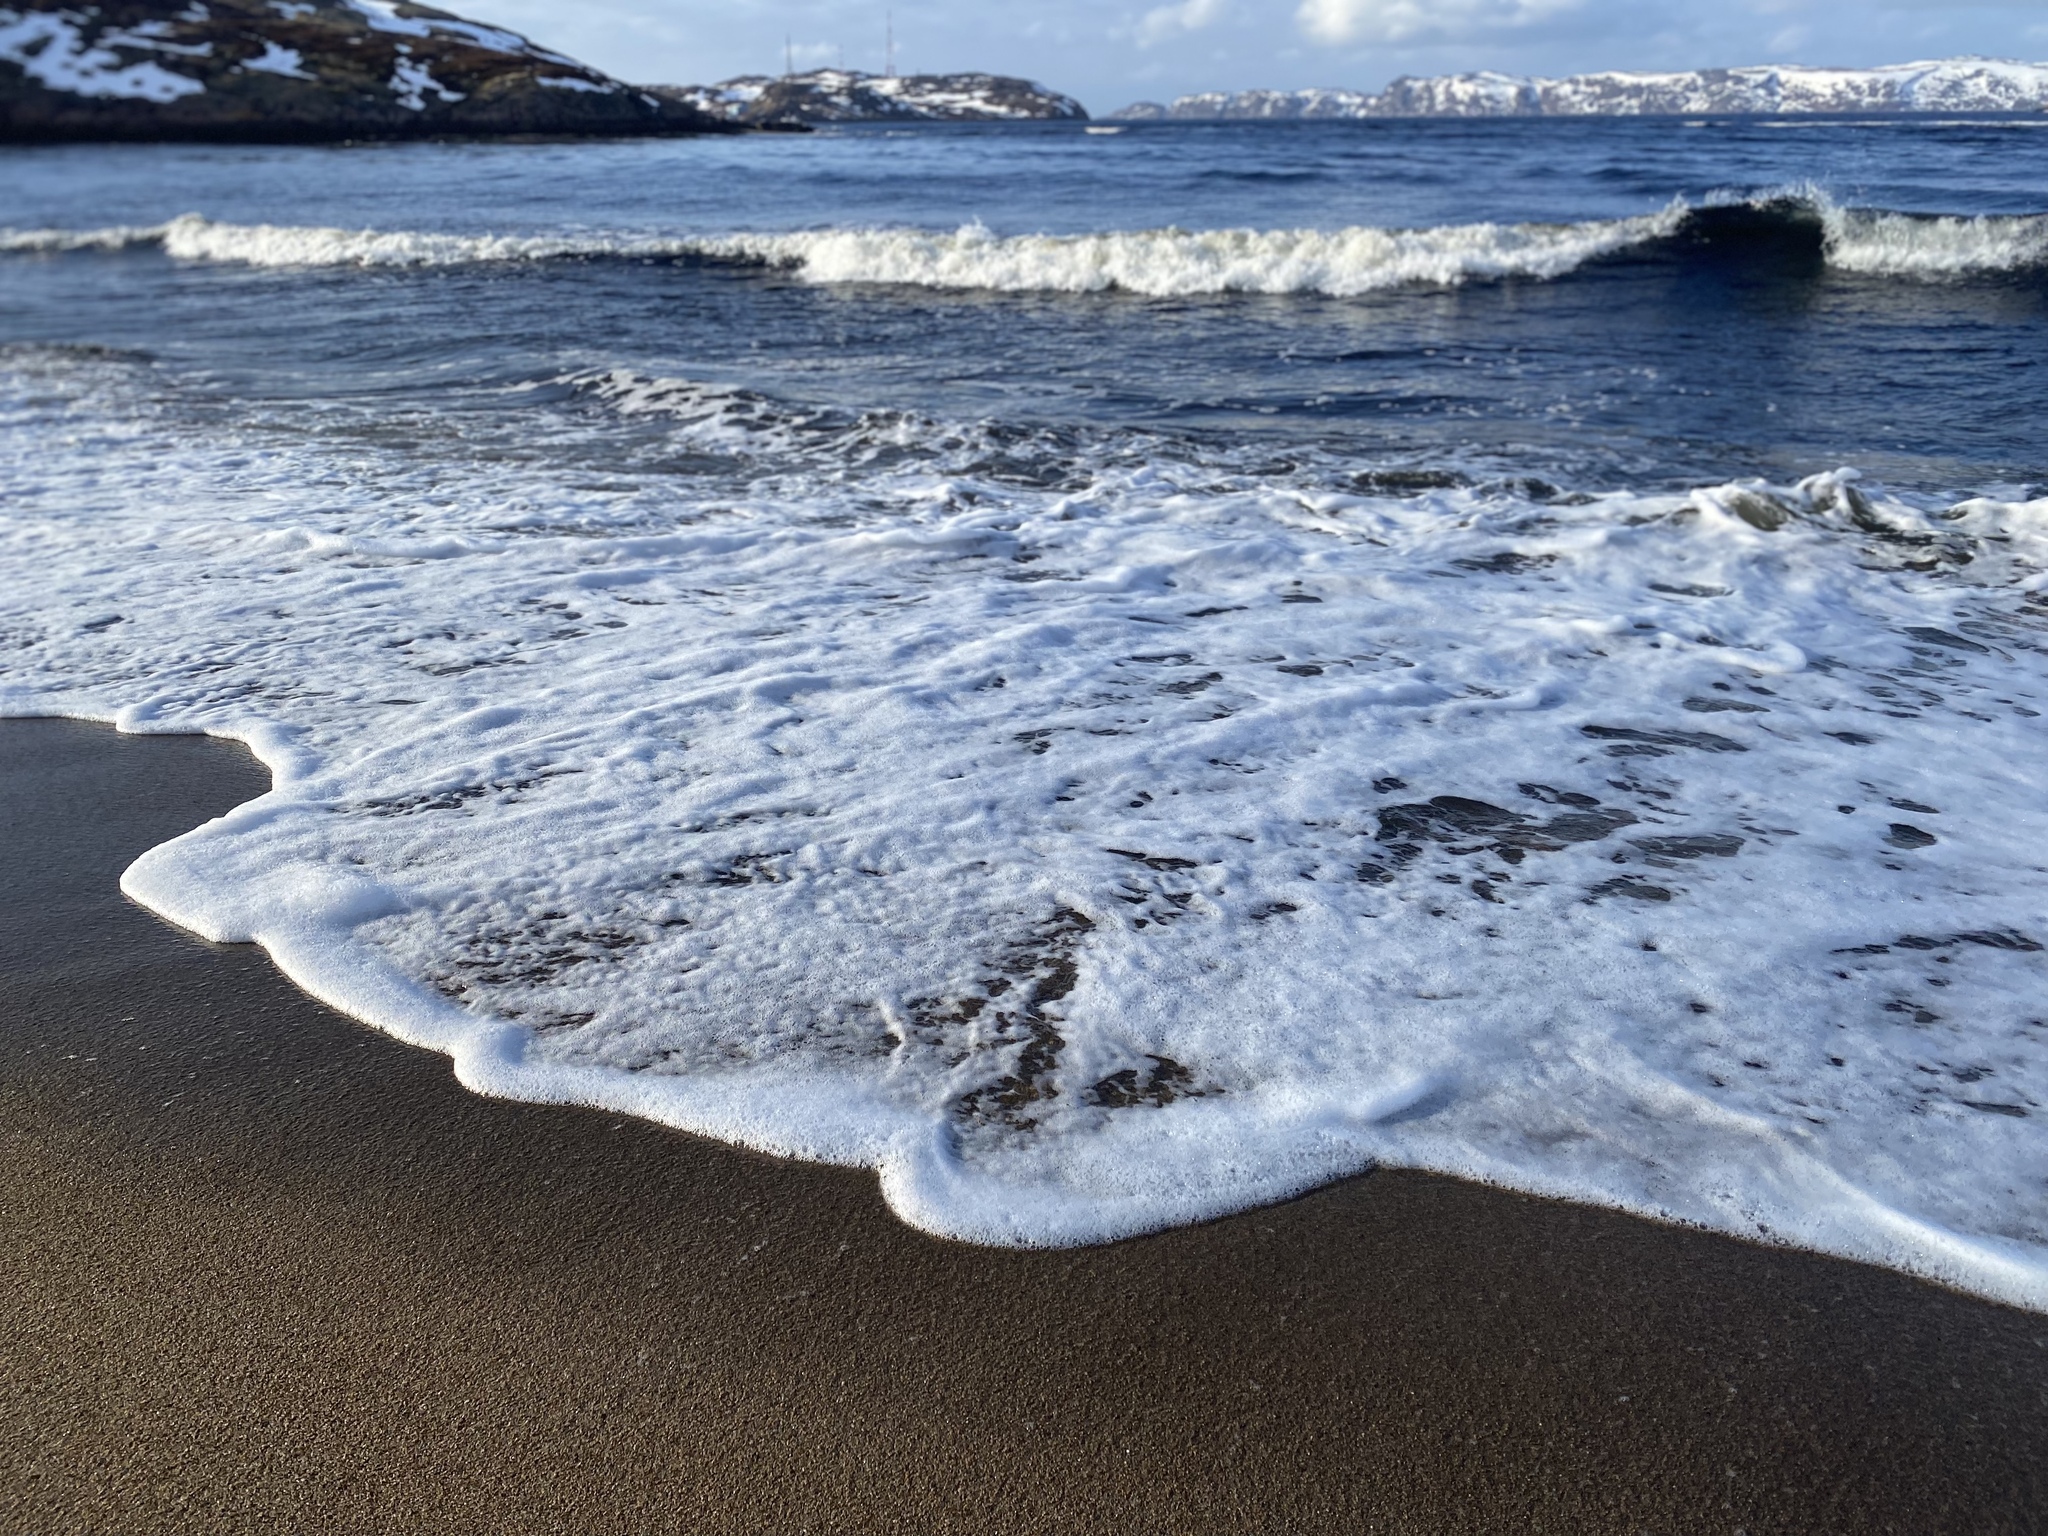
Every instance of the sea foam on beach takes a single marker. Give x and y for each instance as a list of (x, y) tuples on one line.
[(1119, 844)]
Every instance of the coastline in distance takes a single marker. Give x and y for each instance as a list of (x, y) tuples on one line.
[(1947, 85)]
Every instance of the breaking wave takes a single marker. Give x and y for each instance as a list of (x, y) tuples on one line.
[(1903, 245), (1168, 263), (1159, 263)]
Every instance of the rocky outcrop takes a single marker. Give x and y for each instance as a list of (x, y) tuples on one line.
[(271, 71), (848, 96), (1948, 85)]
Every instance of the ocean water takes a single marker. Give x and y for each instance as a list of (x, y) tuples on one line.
[(1110, 677)]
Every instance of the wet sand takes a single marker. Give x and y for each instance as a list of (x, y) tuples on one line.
[(265, 1270)]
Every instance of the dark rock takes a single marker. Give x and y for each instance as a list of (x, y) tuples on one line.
[(298, 71)]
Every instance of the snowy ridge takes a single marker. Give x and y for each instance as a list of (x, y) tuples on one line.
[(1094, 859), (384, 16), (1947, 85), (62, 50), (1158, 263), (844, 95)]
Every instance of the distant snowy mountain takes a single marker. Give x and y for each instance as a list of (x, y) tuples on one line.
[(848, 96), (1947, 85)]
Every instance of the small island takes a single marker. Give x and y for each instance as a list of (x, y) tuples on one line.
[(849, 96)]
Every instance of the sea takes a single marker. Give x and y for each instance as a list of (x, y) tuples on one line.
[(1111, 674)]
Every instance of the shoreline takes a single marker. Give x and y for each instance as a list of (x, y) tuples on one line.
[(271, 1270)]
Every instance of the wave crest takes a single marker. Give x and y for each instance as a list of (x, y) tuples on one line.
[(1881, 244), (1157, 263), (1166, 263)]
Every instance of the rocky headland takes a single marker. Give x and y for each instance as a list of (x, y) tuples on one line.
[(848, 96), (1947, 85), (271, 71)]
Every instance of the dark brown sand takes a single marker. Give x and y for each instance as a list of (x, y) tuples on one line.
[(264, 1270)]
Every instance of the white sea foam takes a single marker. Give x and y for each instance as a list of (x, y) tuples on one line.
[(1170, 262), (1158, 263), (1092, 860), (283, 245), (1894, 245)]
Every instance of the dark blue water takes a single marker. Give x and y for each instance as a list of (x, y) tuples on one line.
[(1734, 347)]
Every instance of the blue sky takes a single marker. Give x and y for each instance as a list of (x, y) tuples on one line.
[(1109, 53)]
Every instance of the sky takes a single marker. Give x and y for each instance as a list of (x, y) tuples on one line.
[(1109, 53)]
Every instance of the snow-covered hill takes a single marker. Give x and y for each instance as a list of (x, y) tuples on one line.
[(848, 96), (1947, 85), (268, 70)]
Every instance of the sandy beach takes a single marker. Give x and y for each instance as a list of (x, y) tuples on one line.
[(268, 1271)]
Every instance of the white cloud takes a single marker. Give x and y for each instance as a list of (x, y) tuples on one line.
[(1169, 21), (814, 55), (1404, 21)]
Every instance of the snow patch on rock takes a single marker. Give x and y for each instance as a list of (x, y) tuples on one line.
[(278, 60), (411, 84), (51, 51)]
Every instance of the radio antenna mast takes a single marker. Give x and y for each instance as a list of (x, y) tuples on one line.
[(889, 63), (788, 56)]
